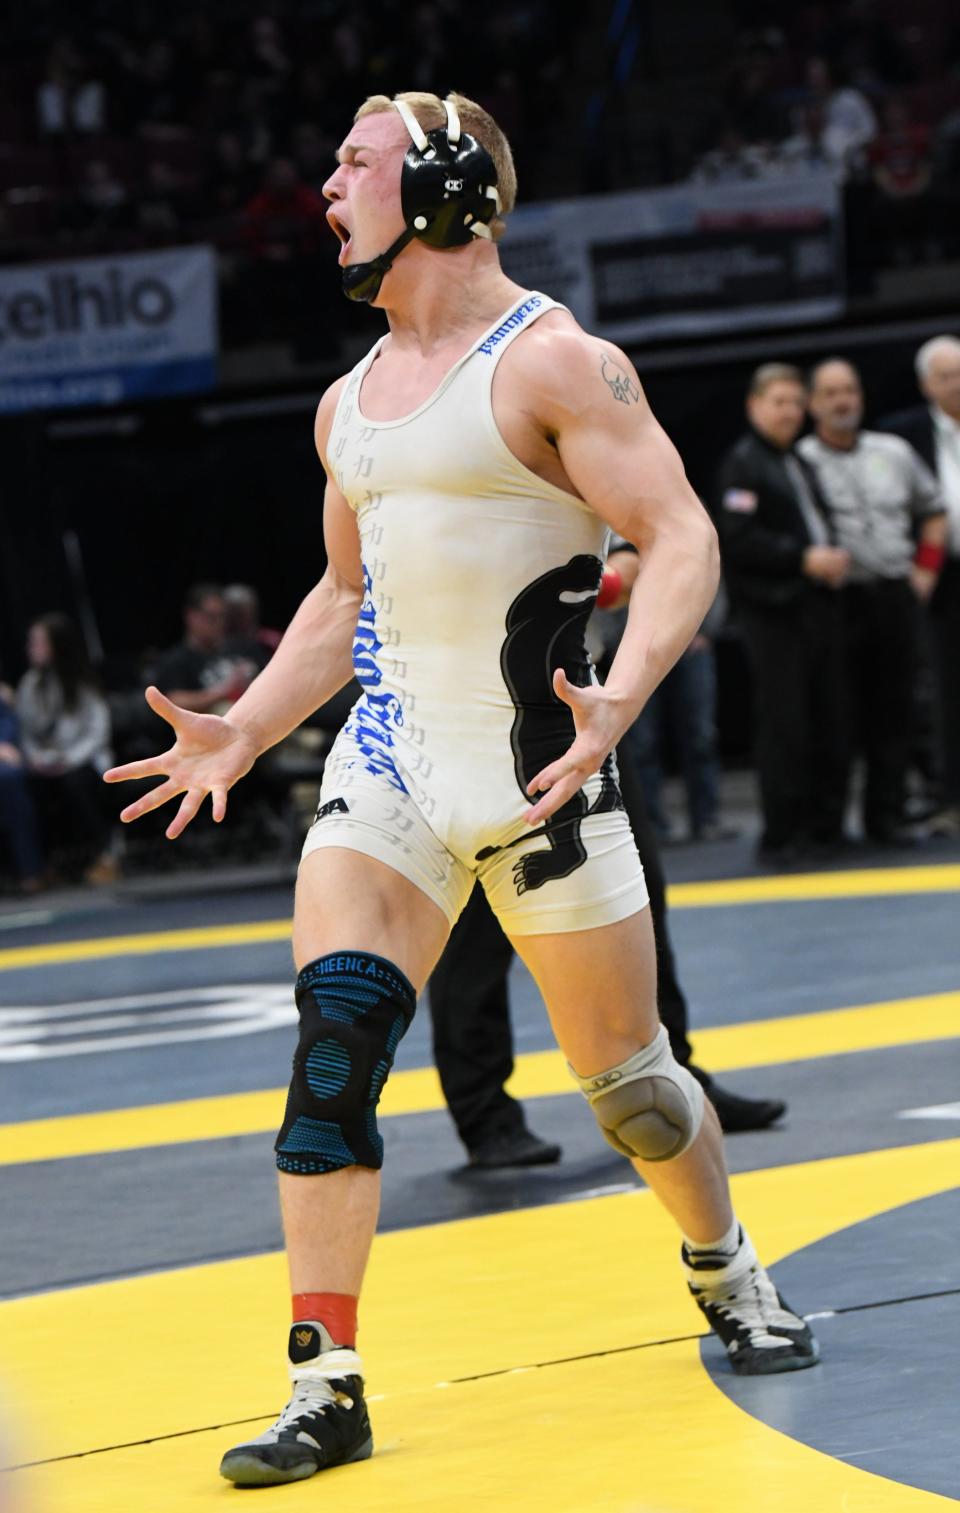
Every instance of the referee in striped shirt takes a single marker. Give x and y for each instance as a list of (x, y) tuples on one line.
[(887, 511)]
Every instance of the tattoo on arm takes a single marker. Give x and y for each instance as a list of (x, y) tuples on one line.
[(618, 381)]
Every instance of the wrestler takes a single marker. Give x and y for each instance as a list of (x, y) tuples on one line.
[(477, 460)]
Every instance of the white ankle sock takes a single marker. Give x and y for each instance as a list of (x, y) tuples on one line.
[(727, 1245)]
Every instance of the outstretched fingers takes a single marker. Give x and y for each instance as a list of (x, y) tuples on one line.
[(166, 708), (188, 810), (149, 767), (151, 801), (557, 783)]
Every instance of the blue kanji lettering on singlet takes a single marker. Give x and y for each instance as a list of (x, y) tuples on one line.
[(376, 715)]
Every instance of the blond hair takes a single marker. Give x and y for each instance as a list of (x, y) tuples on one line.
[(771, 373), (429, 111)]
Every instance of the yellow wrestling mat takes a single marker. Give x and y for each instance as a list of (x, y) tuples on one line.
[(799, 887), (485, 1344), (537, 1074)]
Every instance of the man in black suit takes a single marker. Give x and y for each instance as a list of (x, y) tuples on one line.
[(933, 429), (782, 569)]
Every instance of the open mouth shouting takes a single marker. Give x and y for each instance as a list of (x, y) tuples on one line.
[(343, 233)]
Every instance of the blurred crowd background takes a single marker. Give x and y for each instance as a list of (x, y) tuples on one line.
[(128, 126), (172, 538)]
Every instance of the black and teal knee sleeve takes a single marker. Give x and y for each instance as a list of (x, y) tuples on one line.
[(354, 1011)]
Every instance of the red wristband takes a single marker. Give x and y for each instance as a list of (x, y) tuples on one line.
[(930, 558), (611, 587)]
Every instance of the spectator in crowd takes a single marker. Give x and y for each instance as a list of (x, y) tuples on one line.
[(849, 121), (901, 167), (782, 570), (287, 231), (65, 727), (162, 107), (933, 429), (312, 154), (18, 819), (164, 201), (750, 97), (881, 496), (267, 58), (70, 99), (731, 161), (102, 203), (230, 181), (285, 220), (245, 636), (201, 673), (808, 149), (862, 41), (684, 707)]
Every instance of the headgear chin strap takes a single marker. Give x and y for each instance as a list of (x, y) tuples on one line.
[(448, 192)]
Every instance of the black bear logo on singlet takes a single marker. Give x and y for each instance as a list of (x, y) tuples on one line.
[(545, 630)]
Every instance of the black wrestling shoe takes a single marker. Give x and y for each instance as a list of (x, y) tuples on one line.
[(514, 1148), (736, 1114), (324, 1424), (760, 1333)]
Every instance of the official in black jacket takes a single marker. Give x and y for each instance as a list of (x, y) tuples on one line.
[(782, 568), (933, 430)]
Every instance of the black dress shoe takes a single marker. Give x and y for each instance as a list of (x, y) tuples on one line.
[(909, 836), (737, 1114), (514, 1148)]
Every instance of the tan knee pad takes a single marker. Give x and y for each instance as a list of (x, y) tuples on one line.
[(649, 1106)]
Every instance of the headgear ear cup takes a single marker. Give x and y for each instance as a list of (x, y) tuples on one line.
[(448, 192)]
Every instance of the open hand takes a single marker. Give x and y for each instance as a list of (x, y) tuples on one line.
[(208, 756), (600, 720)]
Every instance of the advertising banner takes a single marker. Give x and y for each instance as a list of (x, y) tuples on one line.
[(689, 260), (98, 331)]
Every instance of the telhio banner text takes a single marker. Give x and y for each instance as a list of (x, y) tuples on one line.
[(98, 331)]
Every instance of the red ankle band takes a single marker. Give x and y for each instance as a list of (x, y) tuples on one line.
[(336, 1311)]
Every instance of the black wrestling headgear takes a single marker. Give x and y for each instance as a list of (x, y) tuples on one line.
[(448, 193)]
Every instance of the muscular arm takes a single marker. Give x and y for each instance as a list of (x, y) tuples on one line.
[(587, 399), (621, 461)]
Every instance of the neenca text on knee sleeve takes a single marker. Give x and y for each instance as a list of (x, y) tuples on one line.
[(354, 1009)]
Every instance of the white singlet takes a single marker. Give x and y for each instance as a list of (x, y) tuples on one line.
[(479, 578)]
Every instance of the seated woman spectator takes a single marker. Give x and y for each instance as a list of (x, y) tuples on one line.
[(18, 819), (65, 727)]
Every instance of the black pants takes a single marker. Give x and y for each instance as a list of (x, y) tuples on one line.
[(881, 622), (469, 1004), (945, 618), (72, 811), (796, 656)]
